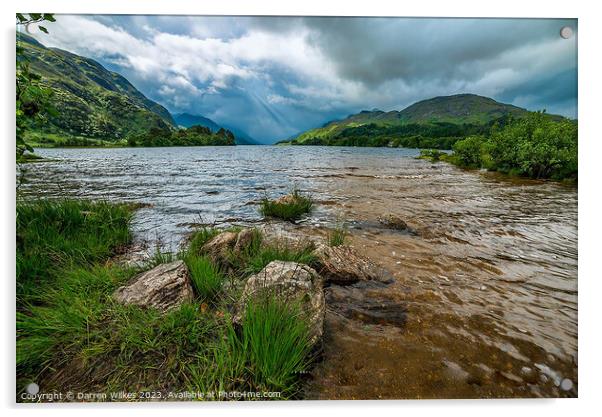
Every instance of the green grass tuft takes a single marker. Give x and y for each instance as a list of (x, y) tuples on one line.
[(290, 208), (338, 235), (199, 237), (279, 252), (276, 340), (206, 277)]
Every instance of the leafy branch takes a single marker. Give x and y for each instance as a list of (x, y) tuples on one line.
[(32, 97)]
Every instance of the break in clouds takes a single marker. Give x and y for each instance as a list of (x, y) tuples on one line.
[(276, 76)]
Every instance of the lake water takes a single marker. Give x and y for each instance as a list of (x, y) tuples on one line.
[(185, 186), (485, 298)]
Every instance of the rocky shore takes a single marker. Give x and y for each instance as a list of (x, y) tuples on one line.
[(331, 269)]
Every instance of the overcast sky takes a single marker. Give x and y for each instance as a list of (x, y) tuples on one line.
[(276, 76)]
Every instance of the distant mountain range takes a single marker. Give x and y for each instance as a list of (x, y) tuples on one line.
[(187, 120), (450, 113)]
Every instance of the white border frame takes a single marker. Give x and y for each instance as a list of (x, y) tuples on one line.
[(589, 230)]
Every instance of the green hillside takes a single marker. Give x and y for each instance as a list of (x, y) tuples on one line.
[(90, 101), (434, 123)]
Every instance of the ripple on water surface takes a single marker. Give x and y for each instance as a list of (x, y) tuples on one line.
[(485, 298)]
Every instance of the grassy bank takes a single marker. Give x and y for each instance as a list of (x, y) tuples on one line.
[(72, 335)]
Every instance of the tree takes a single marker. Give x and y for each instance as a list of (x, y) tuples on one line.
[(32, 98)]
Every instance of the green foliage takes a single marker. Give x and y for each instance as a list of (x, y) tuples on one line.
[(55, 234), (60, 320), (193, 136), (259, 259), (32, 98), (206, 277), (256, 255), (469, 151), (290, 207), (432, 155), (199, 237), (438, 135), (536, 146)]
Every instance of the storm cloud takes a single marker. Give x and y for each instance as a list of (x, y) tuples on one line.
[(276, 76)]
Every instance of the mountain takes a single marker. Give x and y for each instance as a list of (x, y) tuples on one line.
[(90, 100), (438, 116), (187, 120)]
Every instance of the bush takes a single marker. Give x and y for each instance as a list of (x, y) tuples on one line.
[(290, 207), (468, 152), (537, 147)]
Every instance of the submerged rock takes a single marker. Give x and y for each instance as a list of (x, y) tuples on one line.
[(366, 302), (164, 287), (342, 265), (394, 222), (291, 282)]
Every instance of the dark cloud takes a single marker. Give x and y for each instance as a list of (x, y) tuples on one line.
[(276, 76)]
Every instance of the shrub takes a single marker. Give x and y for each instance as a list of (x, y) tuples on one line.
[(468, 151), (537, 147), (431, 154)]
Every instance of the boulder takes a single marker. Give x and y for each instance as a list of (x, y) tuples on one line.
[(287, 236), (244, 240), (342, 265), (290, 282), (220, 246), (164, 287)]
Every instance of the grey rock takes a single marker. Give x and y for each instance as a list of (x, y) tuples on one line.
[(219, 246), (244, 239), (164, 287)]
